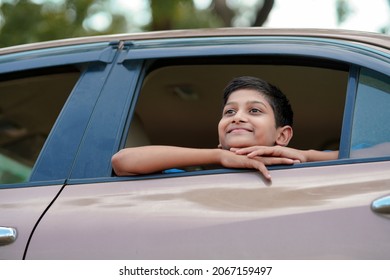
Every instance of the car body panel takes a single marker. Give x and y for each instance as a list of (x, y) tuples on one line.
[(223, 216), (21, 208)]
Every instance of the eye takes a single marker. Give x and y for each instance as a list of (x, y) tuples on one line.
[(255, 111), (229, 112)]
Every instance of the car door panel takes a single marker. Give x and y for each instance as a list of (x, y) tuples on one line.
[(22, 204), (318, 212), (29, 203)]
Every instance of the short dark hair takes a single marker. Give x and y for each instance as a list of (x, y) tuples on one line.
[(278, 101)]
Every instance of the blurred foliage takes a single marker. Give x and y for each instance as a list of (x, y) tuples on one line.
[(28, 21), (167, 15), (181, 14), (386, 29), (24, 21), (343, 10)]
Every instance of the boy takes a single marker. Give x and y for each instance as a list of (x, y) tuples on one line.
[(255, 128)]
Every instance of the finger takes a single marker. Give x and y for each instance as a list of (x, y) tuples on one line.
[(263, 170), (277, 152), (275, 160), (245, 151), (264, 152), (254, 164)]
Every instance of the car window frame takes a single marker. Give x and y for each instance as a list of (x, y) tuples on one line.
[(60, 55), (144, 52), (111, 114)]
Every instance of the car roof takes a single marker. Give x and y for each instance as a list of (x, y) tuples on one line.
[(370, 38)]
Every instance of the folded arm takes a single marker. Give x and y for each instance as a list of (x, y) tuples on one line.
[(150, 159)]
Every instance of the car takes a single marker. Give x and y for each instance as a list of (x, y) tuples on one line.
[(67, 106)]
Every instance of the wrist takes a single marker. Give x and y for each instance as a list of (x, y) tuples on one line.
[(218, 156), (309, 155), (314, 155)]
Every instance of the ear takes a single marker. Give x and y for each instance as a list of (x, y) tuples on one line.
[(285, 134)]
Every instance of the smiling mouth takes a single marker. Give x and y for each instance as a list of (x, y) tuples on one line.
[(239, 130)]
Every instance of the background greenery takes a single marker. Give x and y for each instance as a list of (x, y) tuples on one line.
[(27, 21)]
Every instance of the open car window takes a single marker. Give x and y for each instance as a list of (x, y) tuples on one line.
[(181, 104), (29, 105)]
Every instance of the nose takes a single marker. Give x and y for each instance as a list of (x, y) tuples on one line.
[(239, 116)]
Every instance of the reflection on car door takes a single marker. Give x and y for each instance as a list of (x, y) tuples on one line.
[(303, 214)]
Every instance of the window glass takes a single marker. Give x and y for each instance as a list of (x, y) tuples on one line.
[(29, 106), (371, 130)]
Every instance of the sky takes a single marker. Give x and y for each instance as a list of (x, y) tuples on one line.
[(367, 15)]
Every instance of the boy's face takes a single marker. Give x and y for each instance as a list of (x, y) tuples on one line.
[(247, 120)]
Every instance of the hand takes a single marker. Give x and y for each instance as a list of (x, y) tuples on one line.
[(232, 160), (271, 155)]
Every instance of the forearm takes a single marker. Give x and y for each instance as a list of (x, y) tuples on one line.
[(150, 159), (314, 155)]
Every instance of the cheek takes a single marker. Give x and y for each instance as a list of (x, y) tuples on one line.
[(221, 126), (220, 133), (266, 139)]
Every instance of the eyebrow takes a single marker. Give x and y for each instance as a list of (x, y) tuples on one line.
[(248, 102)]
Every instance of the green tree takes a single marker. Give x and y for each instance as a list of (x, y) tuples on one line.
[(343, 10), (24, 21), (27, 21), (181, 14)]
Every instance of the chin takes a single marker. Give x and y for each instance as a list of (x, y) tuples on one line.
[(239, 145)]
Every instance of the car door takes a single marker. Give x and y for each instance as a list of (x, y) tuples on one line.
[(319, 210), (46, 98)]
